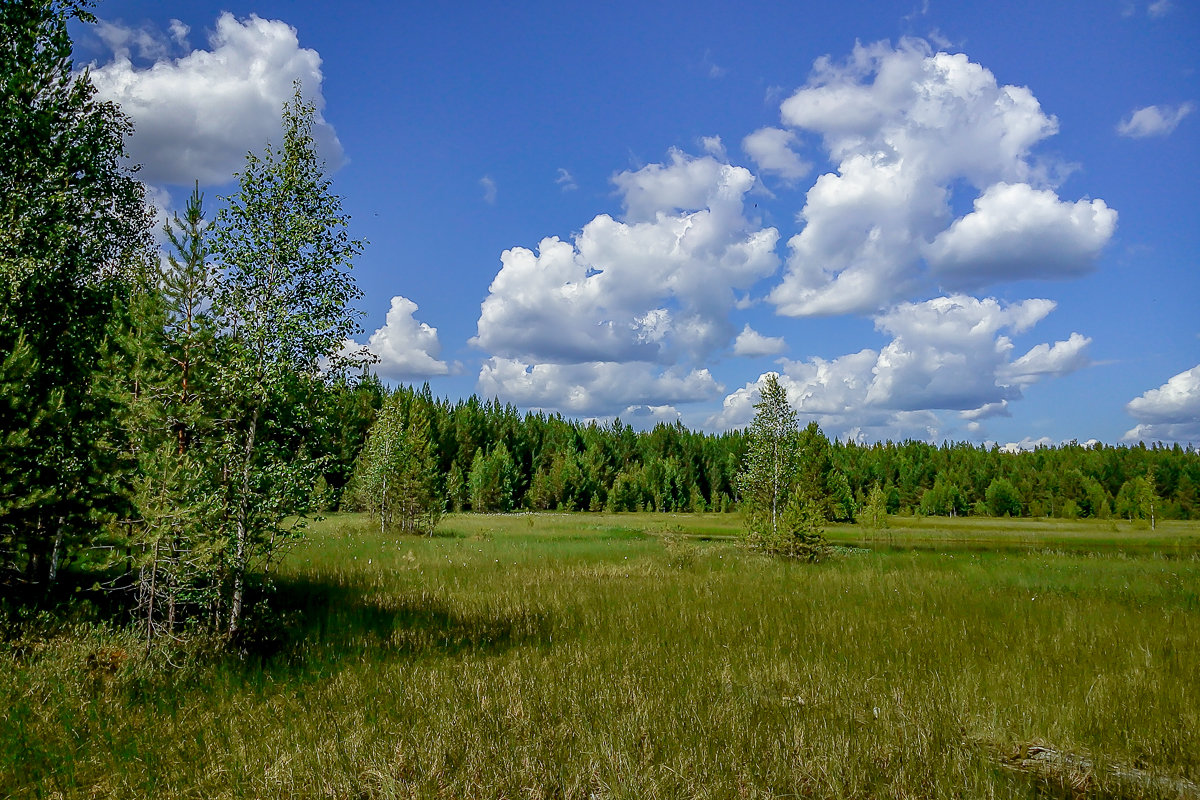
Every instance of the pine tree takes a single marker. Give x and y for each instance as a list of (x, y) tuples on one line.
[(167, 353), (74, 228)]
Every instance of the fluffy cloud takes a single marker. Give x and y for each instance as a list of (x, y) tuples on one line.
[(949, 353), (1154, 120), (771, 149), (196, 116), (1049, 360), (1169, 413), (1028, 444), (656, 288), (405, 347), (904, 127), (592, 388), (1018, 232), (646, 417), (751, 343)]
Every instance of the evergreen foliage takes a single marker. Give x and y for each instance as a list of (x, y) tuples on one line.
[(395, 477), (187, 416), (74, 228)]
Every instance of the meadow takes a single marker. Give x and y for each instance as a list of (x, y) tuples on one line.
[(647, 656)]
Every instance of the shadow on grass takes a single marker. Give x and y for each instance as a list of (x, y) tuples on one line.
[(299, 621), (290, 624)]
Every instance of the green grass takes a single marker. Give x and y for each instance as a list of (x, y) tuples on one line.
[(633, 656)]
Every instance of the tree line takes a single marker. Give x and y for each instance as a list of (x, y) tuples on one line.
[(487, 456)]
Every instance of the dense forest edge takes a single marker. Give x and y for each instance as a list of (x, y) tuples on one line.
[(168, 422)]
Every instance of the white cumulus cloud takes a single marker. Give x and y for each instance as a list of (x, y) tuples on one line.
[(656, 287), (907, 128), (1154, 120), (1170, 413), (1049, 360), (751, 343), (405, 347), (595, 388), (946, 354), (196, 116), (1018, 232)]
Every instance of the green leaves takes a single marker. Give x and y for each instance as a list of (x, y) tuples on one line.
[(286, 291), (784, 506)]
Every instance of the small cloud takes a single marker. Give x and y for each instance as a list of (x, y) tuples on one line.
[(713, 146), (713, 69), (751, 343), (565, 179), (179, 33), (1154, 120), (985, 411), (404, 347), (1159, 9), (1028, 444), (771, 149), (489, 190)]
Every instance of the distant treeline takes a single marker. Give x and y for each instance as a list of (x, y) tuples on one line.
[(546, 462)]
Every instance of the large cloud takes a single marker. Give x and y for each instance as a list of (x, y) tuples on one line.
[(949, 353), (1169, 413), (196, 116), (657, 287), (906, 128)]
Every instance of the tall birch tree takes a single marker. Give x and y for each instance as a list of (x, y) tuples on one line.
[(282, 302)]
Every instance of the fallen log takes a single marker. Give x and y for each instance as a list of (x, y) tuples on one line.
[(1080, 774)]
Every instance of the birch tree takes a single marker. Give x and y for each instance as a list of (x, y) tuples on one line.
[(782, 517), (282, 302), (395, 478)]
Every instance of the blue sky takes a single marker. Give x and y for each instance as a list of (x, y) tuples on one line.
[(937, 221)]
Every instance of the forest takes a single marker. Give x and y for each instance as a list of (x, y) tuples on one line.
[(489, 456)]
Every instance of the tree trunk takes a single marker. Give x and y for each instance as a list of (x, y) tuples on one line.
[(56, 554), (150, 599), (241, 532)]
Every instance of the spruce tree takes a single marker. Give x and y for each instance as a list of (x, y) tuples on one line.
[(74, 228)]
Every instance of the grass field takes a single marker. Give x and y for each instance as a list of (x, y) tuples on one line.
[(643, 656)]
